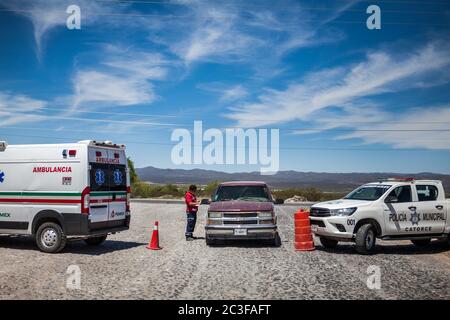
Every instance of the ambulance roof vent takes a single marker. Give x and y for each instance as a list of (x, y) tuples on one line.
[(3, 145)]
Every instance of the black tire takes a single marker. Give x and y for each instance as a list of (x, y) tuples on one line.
[(210, 242), (276, 242), (95, 241), (328, 243), (421, 242), (50, 237), (365, 239)]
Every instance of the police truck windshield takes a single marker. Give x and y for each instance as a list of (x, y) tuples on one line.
[(369, 193), (242, 193)]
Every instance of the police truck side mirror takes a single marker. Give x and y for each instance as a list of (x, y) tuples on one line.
[(391, 199)]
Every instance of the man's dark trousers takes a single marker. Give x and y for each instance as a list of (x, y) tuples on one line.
[(191, 221)]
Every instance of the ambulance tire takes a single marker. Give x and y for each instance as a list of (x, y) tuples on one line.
[(365, 239), (95, 241), (421, 243), (50, 237), (328, 243)]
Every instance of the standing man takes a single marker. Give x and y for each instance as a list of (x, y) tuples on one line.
[(191, 211)]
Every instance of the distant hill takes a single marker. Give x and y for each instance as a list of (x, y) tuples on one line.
[(283, 179)]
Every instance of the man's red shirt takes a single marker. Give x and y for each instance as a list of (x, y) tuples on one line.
[(189, 198)]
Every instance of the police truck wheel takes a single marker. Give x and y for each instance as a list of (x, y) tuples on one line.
[(421, 242), (328, 243), (50, 237), (95, 241), (365, 239)]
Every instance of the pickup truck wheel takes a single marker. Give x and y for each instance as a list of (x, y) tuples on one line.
[(209, 241), (365, 239), (50, 237), (276, 242), (95, 241), (328, 243), (421, 243)]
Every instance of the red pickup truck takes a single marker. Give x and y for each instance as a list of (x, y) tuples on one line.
[(242, 210)]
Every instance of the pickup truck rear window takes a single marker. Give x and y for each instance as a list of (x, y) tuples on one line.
[(369, 193), (244, 193), (427, 192)]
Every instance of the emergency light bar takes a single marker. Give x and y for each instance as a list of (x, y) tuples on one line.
[(400, 179), (3, 145)]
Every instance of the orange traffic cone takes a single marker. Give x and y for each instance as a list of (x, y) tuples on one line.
[(154, 243), (303, 236)]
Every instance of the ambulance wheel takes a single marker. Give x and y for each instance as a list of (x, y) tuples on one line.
[(365, 239), (328, 243), (421, 243), (50, 237), (95, 241)]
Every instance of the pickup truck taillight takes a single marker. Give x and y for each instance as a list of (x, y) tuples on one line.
[(127, 207), (85, 198)]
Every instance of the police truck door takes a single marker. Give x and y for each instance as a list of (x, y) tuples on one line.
[(398, 208)]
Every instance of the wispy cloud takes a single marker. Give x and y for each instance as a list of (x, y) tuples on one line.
[(234, 93), (417, 128), (123, 78), (226, 93), (243, 32), (16, 109), (46, 15), (379, 72)]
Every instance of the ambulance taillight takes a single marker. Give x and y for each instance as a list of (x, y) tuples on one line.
[(128, 199), (85, 199)]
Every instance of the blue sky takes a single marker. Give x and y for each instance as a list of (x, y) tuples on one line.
[(345, 98)]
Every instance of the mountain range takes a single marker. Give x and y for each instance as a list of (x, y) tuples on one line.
[(283, 179)]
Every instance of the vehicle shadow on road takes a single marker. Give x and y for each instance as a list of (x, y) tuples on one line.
[(243, 244), (398, 249), (73, 246), (79, 247)]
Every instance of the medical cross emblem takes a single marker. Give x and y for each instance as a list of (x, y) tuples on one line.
[(99, 177), (2, 177)]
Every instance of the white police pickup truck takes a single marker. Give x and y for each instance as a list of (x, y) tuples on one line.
[(393, 209)]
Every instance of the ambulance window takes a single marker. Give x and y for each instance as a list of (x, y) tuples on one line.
[(107, 177), (99, 177), (427, 192), (402, 194), (118, 178)]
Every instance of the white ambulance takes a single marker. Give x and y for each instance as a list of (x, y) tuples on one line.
[(55, 192)]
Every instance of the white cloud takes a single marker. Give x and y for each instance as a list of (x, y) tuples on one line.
[(123, 78), (380, 72), (234, 93), (238, 31), (225, 92), (417, 128), (16, 109), (46, 15), (94, 86)]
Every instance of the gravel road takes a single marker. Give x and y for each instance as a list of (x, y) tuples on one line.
[(122, 268)]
